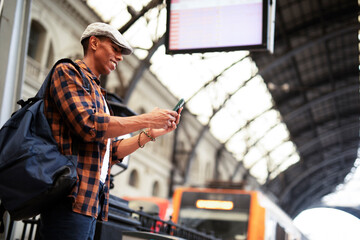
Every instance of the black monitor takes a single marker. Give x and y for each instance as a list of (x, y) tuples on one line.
[(196, 26)]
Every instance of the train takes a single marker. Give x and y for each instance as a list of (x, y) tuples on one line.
[(232, 214), (151, 205)]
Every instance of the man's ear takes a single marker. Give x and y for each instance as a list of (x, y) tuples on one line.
[(93, 42)]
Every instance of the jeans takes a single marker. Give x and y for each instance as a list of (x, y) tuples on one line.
[(60, 222)]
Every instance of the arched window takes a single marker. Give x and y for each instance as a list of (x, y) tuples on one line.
[(36, 41), (40, 54), (134, 179), (50, 57), (156, 189), (208, 173), (195, 173)]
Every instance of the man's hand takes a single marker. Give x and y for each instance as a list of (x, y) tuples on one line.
[(162, 118), (171, 126)]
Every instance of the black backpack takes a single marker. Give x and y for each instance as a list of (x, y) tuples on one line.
[(33, 173)]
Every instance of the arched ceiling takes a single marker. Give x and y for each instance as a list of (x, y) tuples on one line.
[(313, 78), (292, 117)]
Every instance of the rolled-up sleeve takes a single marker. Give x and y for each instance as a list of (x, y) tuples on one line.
[(81, 110), (114, 158)]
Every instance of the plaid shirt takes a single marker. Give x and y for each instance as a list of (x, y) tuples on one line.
[(78, 116)]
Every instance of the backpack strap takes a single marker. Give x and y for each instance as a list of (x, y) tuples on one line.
[(2, 223), (40, 94), (46, 85)]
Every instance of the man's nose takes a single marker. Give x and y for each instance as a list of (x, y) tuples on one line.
[(119, 56)]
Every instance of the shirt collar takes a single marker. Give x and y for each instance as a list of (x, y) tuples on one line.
[(88, 71)]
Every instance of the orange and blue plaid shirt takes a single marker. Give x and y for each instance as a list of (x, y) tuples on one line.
[(77, 116)]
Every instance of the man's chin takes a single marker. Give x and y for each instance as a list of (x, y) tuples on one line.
[(112, 68), (107, 71)]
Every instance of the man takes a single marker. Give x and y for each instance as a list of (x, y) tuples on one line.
[(80, 119)]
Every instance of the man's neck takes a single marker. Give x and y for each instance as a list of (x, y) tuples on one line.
[(90, 64)]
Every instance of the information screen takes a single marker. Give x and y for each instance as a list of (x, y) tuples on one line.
[(215, 25)]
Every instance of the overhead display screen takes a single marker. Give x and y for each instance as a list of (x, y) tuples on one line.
[(215, 25)]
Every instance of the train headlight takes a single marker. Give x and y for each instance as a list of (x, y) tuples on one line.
[(214, 204)]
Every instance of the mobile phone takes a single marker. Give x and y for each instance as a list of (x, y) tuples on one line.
[(179, 105)]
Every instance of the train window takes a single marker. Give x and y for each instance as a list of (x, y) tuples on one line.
[(280, 233), (225, 214)]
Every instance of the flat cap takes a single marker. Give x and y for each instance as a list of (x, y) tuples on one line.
[(103, 29)]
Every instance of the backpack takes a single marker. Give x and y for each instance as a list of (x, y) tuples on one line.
[(33, 173)]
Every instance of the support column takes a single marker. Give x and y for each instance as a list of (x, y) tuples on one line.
[(14, 28), (14, 31)]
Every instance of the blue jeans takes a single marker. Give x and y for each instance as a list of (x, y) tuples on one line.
[(60, 222)]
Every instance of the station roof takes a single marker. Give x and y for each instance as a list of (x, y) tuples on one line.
[(290, 117), (313, 78)]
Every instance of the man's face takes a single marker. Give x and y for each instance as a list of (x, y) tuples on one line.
[(107, 55)]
